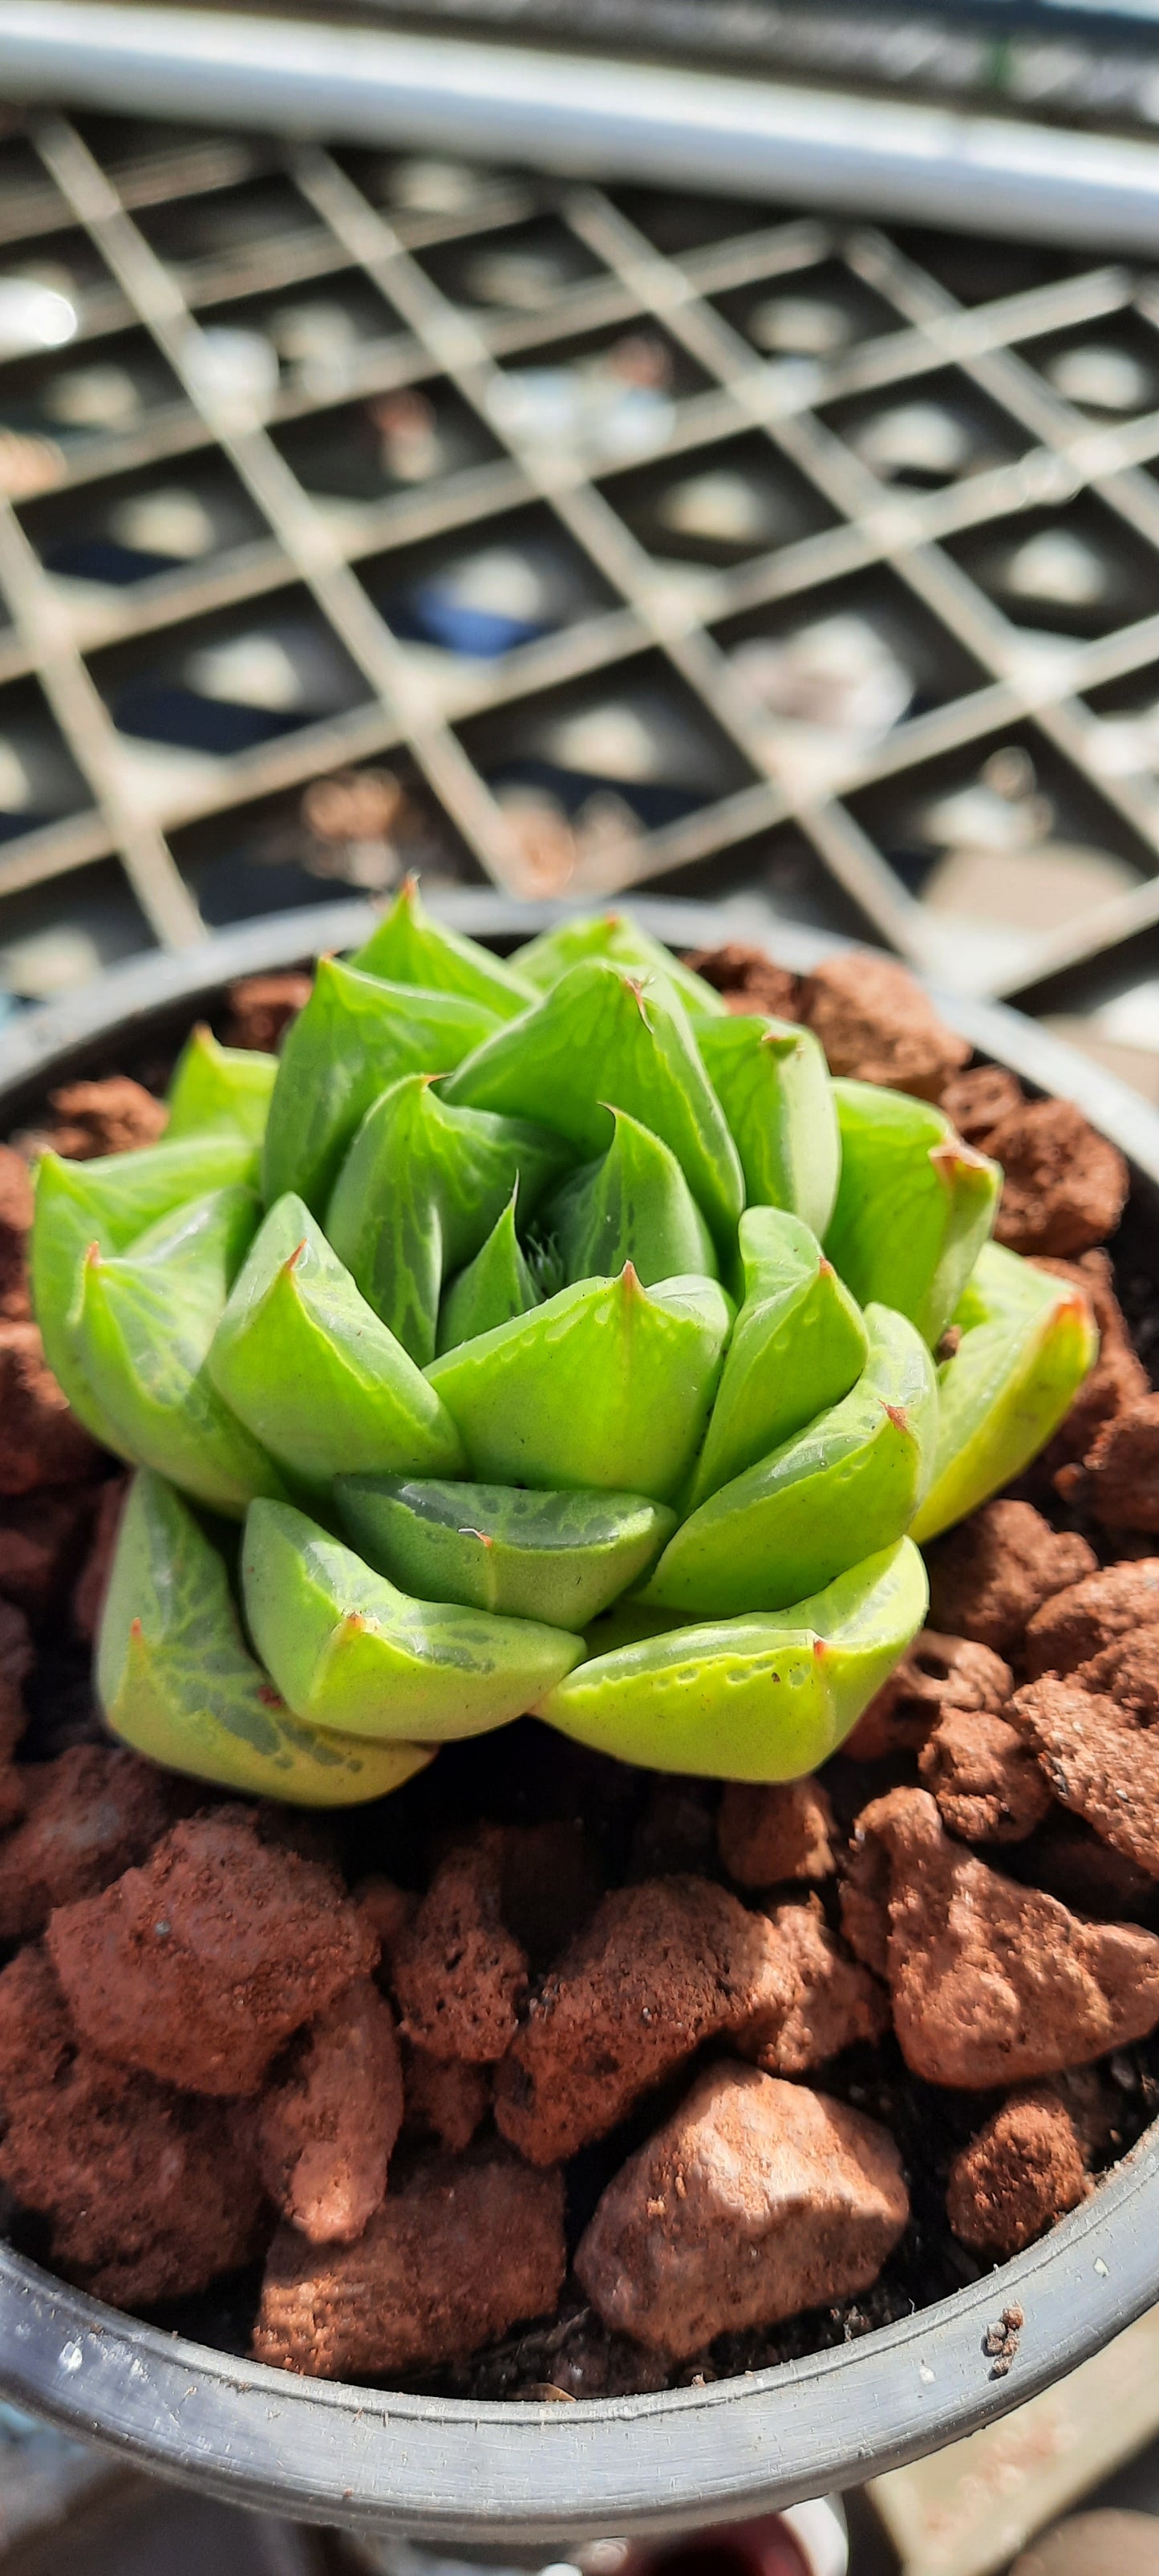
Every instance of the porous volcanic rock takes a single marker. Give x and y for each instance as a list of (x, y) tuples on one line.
[(830, 2000), (782, 1830), (991, 1574), (16, 1204), (41, 1539), (992, 1983), (445, 2099), (1118, 1480), (748, 980), (88, 1815), (1097, 1764), (198, 1967), (1128, 1673), (1065, 1186), (1079, 1623), (327, 2125), (464, 2248), (755, 2200), (1024, 2169), (457, 1972), (977, 1099), (660, 1968), (113, 1116), (937, 1673), (987, 1783), (876, 1023), (261, 1008), (41, 1441)]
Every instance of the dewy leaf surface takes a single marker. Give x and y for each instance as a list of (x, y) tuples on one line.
[(757, 1698), (615, 935), (606, 1385), (220, 1087), (1027, 1344), (418, 1194), (302, 1360), (140, 1332), (847, 1485), (799, 1343), (348, 1650), (772, 1082), (356, 1035), (914, 1205), (632, 1204), (598, 1038), (492, 1289), (559, 1557), (409, 948), (176, 1681)]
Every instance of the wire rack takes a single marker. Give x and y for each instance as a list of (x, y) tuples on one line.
[(359, 510)]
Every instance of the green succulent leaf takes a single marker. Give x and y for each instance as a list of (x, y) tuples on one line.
[(109, 1203), (302, 1360), (799, 1343), (356, 1035), (615, 935), (418, 1194), (632, 1204), (1027, 1344), (606, 1385), (559, 1557), (139, 1334), (772, 1082), (409, 948), (493, 1288), (598, 1037), (177, 1682), (215, 1086), (347, 1650), (914, 1205), (758, 1698), (850, 1482)]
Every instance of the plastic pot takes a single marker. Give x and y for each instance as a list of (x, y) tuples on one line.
[(530, 2478)]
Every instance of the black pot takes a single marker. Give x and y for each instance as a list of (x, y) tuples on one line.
[(542, 2478)]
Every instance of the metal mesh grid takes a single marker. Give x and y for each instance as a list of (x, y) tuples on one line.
[(366, 509)]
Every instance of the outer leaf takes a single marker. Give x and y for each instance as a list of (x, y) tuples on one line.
[(772, 1082), (848, 1484), (606, 1385), (418, 1194), (496, 1286), (215, 1086), (616, 935), (305, 1364), (599, 1037), (1027, 1344), (109, 1202), (750, 1699), (176, 1680), (409, 948), (799, 1343), (347, 1650), (559, 1557), (632, 1204), (355, 1036), (914, 1206), (140, 1333)]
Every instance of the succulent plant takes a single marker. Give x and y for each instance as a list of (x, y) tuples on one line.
[(564, 1345)]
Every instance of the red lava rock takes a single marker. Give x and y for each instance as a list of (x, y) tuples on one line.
[(199, 1966), (1024, 2169), (937, 1673), (552, 1885), (1128, 1674), (1065, 1186), (386, 1908), (830, 2000), (755, 2200), (660, 1967), (1067, 1859), (41, 1538), (93, 1812), (988, 1786), (41, 1441), (261, 1008), (1118, 1377), (326, 2127), (748, 979), (16, 1203), (147, 2194), (16, 1656), (457, 1972), (991, 1574), (444, 2098), (876, 1023), (1078, 1624), (92, 1583), (976, 1100), (1097, 1764), (1118, 1480), (766, 1834), (461, 2250), (110, 1117), (17, 1653), (993, 1983)]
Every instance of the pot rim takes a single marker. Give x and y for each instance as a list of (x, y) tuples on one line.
[(540, 2476)]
